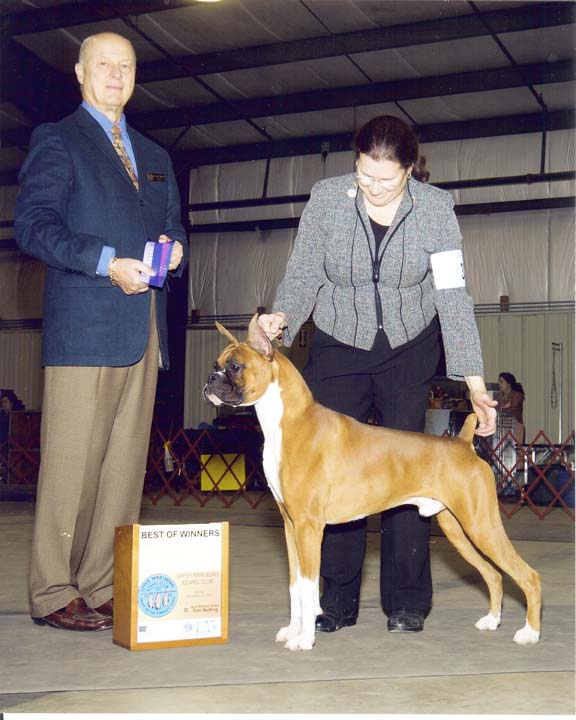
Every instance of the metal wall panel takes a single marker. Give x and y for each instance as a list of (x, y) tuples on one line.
[(535, 374), (561, 330), (512, 345), (489, 329), (521, 343)]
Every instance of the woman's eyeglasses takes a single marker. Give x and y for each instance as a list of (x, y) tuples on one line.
[(366, 181)]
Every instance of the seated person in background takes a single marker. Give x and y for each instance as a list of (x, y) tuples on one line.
[(8, 401), (511, 402)]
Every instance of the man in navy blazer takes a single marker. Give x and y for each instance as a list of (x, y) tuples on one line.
[(93, 193)]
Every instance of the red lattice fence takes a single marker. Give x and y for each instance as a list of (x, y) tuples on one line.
[(539, 475), (205, 465)]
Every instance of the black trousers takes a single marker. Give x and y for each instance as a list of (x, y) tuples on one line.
[(395, 383)]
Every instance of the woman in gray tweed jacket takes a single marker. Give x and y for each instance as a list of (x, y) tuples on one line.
[(378, 262)]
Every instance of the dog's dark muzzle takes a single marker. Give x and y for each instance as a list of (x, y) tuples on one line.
[(220, 390)]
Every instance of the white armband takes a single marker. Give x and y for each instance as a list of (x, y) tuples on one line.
[(448, 269)]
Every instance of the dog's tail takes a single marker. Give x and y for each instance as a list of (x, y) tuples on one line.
[(467, 431)]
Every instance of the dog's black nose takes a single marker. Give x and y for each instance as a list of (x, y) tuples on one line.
[(211, 378)]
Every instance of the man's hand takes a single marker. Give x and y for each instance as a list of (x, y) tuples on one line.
[(126, 275), (177, 252)]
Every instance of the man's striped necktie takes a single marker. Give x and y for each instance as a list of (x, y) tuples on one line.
[(123, 155)]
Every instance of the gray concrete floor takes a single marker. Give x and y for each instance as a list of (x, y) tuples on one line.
[(450, 668)]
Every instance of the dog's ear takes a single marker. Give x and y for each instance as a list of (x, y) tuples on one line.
[(258, 340), (227, 334)]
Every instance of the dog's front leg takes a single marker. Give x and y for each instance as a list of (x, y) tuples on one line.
[(294, 627), (308, 537)]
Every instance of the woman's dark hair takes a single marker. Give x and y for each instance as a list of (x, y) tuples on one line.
[(386, 137), (511, 380)]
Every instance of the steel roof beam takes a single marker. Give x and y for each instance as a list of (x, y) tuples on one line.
[(81, 13), (23, 73), (315, 145), (525, 17), (369, 94)]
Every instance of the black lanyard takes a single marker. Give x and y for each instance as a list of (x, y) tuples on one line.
[(376, 257)]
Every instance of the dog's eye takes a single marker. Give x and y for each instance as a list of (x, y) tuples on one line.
[(234, 368)]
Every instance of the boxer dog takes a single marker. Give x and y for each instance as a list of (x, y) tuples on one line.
[(326, 468)]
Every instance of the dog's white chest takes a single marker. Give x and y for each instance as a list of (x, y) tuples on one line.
[(270, 410)]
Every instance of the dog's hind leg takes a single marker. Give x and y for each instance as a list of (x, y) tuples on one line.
[(294, 628), (501, 551), (454, 533), (308, 536), (490, 538)]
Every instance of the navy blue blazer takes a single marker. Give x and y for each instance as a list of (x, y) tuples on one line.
[(75, 197)]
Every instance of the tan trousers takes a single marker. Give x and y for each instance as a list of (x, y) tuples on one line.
[(94, 444)]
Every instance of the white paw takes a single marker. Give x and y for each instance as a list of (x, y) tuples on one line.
[(287, 633), (527, 636), (489, 622), (300, 642)]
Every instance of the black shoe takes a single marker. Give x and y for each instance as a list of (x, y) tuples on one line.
[(335, 617), (406, 621)]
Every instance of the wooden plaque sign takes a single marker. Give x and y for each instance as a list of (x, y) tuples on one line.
[(170, 585)]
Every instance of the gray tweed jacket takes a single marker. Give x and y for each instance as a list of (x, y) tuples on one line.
[(330, 274)]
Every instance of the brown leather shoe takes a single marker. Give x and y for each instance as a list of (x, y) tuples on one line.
[(76, 616), (106, 608)]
